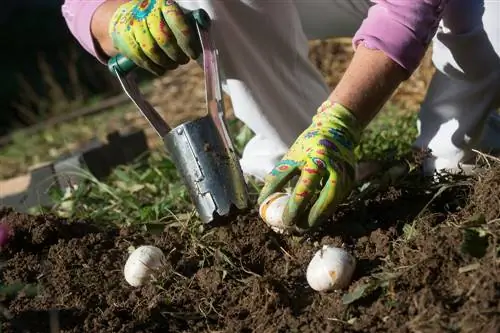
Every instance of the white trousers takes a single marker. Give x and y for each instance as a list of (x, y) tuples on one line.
[(459, 113), (275, 90)]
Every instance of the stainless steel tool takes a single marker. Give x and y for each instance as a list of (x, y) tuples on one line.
[(201, 149)]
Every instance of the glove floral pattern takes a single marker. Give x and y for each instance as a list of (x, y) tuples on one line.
[(154, 34), (323, 158)]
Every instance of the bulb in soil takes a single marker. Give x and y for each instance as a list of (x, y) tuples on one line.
[(330, 268), (141, 263), (271, 211)]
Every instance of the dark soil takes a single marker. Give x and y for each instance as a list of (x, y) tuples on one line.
[(244, 278)]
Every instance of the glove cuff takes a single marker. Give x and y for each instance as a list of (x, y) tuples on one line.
[(341, 116)]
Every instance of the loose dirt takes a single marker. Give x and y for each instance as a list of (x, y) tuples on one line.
[(242, 277)]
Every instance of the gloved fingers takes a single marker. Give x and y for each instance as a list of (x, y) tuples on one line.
[(308, 184), (278, 177), (325, 204), (336, 189), (182, 36), (131, 49), (125, 41), (147, 42), (163, 36)]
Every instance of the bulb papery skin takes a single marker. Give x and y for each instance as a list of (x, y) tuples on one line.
[(331, 268), (271, 211), (141, 263)]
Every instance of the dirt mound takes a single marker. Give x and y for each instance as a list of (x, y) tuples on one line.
[(410, 277)]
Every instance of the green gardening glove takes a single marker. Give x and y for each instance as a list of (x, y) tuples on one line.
[(323, 156), (154, 34)]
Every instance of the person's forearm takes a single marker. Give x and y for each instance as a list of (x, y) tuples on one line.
[(100, 26), (367, 84)]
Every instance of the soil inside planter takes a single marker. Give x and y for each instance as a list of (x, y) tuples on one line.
[(242, 277)]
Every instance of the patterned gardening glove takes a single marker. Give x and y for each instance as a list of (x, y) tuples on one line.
[(154, 34), (323, 156)]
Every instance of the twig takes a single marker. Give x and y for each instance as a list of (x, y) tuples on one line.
[(496, 159), (493, 221)]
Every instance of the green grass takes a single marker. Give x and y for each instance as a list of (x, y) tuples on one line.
[(389, 136), (150, 192), (146, 191), (44, 146)]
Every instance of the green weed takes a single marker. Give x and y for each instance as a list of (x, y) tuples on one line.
[(148, 191)]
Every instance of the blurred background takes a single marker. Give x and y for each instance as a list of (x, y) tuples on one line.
[(44, 69)]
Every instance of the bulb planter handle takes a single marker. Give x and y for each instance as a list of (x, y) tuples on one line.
[(201, 149)]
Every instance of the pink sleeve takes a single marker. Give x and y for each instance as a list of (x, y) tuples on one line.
[(78, 14), (403, 29)]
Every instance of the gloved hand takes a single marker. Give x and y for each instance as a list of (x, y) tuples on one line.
[(154, 34), (323, 156)]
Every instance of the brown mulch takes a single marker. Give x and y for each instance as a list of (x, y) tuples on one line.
[(241, 277)]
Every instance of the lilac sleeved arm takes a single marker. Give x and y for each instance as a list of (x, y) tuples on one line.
[(402, 29), (78, 15)]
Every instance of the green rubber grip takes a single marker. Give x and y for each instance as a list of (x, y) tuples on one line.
[(123, 65)]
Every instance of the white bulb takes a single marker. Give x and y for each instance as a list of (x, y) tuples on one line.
[(141, 263), (330, 268), (271, 211)]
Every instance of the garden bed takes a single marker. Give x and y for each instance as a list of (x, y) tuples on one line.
[(427, 262)]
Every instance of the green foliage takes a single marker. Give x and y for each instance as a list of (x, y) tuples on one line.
[(148, 191), (44, 146), (13, 289), (475, 234), (389, 136), (10, 291), (475, 242), (376, 282)]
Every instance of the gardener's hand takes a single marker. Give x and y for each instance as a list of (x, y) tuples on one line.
[(154, 34), (323, 156)]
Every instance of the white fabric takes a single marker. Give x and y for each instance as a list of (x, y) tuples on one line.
[(459, 111), (275, 90)]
